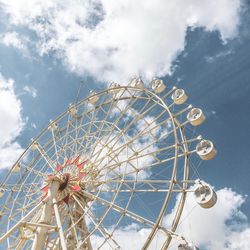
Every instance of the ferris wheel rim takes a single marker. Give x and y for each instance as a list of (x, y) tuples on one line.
[(172, 181)]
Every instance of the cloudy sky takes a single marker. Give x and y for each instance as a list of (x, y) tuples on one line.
[(47, 48)]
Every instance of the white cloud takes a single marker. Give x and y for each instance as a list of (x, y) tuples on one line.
[(9, 154), (130, 237), (112, 40), (211, 59), (110, 150), (33, 125), (11, 123), (219, 227), (222, 227), (13, 39), (240, 240), (30, 90)]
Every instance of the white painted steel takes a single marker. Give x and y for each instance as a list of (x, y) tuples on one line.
[(206, 150), (205, 196), (179, 96), (46, 217), (137, 82), (93, 98), (158, 86), (133, 143), (196, 117)]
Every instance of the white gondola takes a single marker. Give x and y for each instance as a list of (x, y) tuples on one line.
[(16, 167), (2, 191), (158, 86), (196, 117), (206, 150), (136, 82), (93, 98), (179, 96), (72, 110), (205, 196), (114, 88), (187, 246)]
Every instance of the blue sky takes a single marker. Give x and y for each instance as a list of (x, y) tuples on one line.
[(47, 49)]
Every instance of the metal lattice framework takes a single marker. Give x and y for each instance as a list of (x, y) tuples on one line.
[(117, 158)]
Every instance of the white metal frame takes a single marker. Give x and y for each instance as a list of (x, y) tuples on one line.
[(97, 130)]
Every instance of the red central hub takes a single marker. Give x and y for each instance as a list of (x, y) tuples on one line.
[(70, 175)]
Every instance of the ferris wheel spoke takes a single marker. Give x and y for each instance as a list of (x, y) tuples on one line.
[(111, 109), (20, 187), (31, 169), (124, 212), (54, 142), (32, 196), (102, 230), (18, 212), (85, 235), (155, 164), (105, 213), (136, 169), (141, 133), (75, 138), (66, 132), (113, 171), (26, 171), (30, 225), (93, 139), (118, 150), (44, 155), (71, 148), (65, 137), (122, 113), (90, 126), (60, 143), (112, 155), (86, 139), (97, 139), (134, 186), (98, 226), (11, 230), (59, 146), (178, 190), (89, 129), (128, 181), (139, 156), (104, 121), (36, 172)]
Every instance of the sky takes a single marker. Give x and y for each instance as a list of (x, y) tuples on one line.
[(50, 48)]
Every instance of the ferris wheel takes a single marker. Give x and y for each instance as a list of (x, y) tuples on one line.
[(115, 160)]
